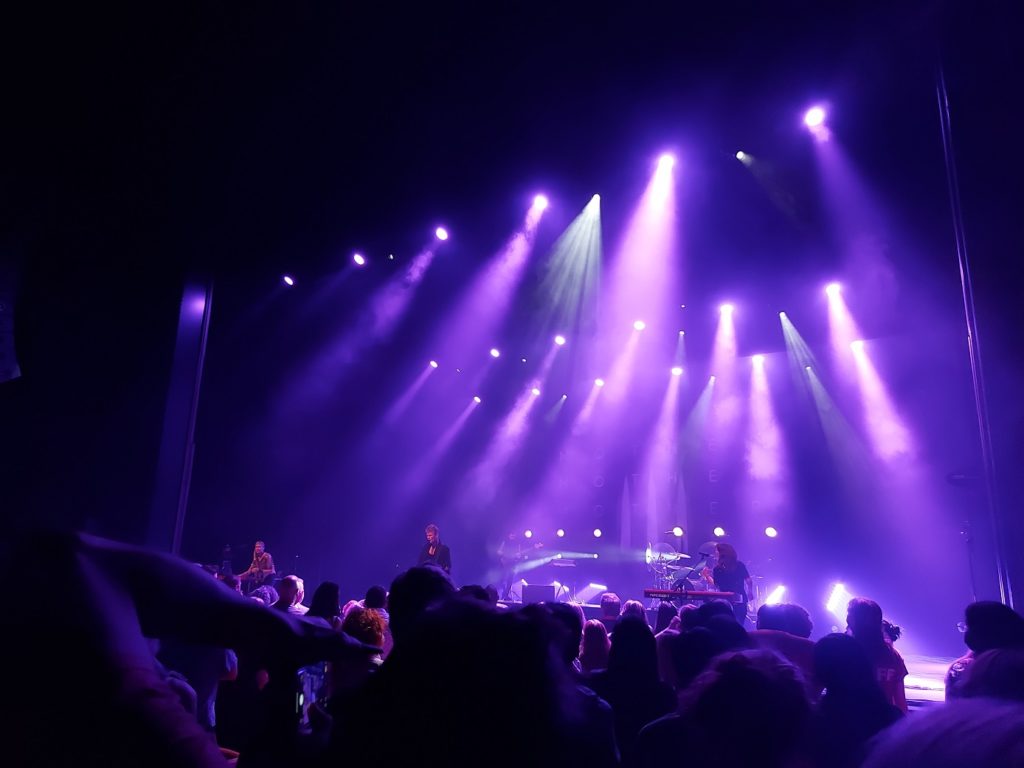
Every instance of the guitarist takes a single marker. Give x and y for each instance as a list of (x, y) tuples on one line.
[(511, 552), (262, 569)]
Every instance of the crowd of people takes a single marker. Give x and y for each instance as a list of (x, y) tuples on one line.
[(152, 661)]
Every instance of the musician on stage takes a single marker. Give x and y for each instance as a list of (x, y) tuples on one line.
[(262, 569), (731, 575), (434, 552), (511, 552)]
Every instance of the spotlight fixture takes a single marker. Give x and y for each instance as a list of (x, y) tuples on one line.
[(726, 309), (719, 531), (770, 532), (741, 155), (639, 325), (666, 162), (757, 359), (441, 233), (560, 533), (288, 280), (677, 370), (476, 399), (495, 352), (677, 532), (832, 290), (535, 391), (359, 259), (598, 382), (814, 117), (560, 340), (528, 533), (597, 533), (433, 363), (540, 202)]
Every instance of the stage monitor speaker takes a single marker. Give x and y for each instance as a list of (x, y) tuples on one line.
[(538, 593)]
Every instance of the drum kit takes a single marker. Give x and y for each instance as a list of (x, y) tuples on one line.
[(678, 570)]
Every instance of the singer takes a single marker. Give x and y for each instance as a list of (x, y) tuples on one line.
[(731, 575)]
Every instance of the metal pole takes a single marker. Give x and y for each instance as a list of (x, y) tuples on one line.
[(974, 347), (193, 412)]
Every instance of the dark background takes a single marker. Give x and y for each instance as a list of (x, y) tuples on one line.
[(146, 144)]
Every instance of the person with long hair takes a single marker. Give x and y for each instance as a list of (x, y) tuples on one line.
[(864, 622), (325, 609), (731, 575)]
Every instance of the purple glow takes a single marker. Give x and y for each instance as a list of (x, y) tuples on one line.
[(889, 436), (540, 202), (757, 360), (560, 533), (441, 233), (666, 162), (359, 259), (560, 340), (598, 382), (741, 155), (719, 531), (677, 370), (677, 532), (535, 391), (639, 325), (288, 280), (770, 532), (726, 309), (522, 359), (814, 117), (433, 363), (775, 596), (832, 290), (528, 534), (837, 601), (764, 438), (495, 352), (857, 346), (476, 399), (597, 533), (403, 402)]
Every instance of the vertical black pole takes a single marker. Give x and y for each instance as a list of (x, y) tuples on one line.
[(177, 444), (974, 349)]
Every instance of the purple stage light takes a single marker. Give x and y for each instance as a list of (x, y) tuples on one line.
[(528, 533), (757, 359), (476, 399), (598, 587), (814, 117), (837, 601), (598, 382), (807, 368), (666, 162), (719, 531), (775, 596), (560, 340), (560, 533), (564, 397), (639, 325), (391, 257), (832, 290), (677, 532), (522, 359), (288, 280), (433, 363), (741, 155), (441, 233), (535, 391), (726, 309), (540, 202), (677, 370), (359, 259), (770, 532), (597, 533), (857, 346), (682, 333), (495, 352)]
